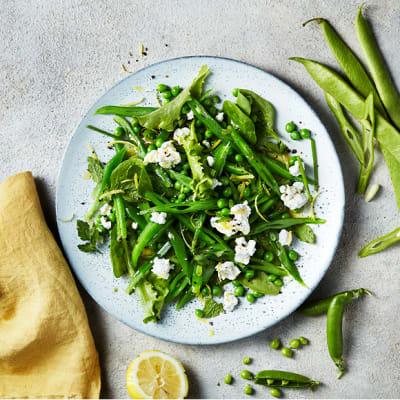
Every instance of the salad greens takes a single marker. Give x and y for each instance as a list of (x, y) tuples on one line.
[(198, 202)]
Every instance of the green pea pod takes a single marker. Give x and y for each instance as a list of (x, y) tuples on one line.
[(283, 224), (278, 169), (321, 306), (334, 334), (387, 136), (349, 132), (119, 208), (94, 129), (289, 265), (304, 177), (315, 163), (220, 157), (378, 68), (381, 243), (125, 111), (243, 122), (368, 144), (180, 251), (126, 125), (349, 63), (117, 254), (274, 378), (184, 207), (268, 267)]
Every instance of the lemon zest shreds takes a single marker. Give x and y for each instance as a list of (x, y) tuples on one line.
[(119, 141), (313, 202), (133, 103), (184, 239), (203, 321), (158, 100), (110, 193), (289, 238), (219, 271), (240, 178), (93, 152), (125, 70), (86, 175), (135, 177), (139, 89), (258, 211), (211, 333), (68, 219), (215, 145), (141, 48)]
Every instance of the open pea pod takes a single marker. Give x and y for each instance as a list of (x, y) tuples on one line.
[(274, 378), (239, 118), (260, 284)]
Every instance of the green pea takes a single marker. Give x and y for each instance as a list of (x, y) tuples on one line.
[(292, 161), (187, 189), (246, 360), (136, 128), (207, 102), (275, 344), (231, 203), (221, 203), (216, 291), (294, 344), (285, 351), (175, 90), (290, 127), (216, 99), (185, 172), (199, 313), (119, 131), (227, 192), (305, 133), (112, 217), (248, 390), (186, 166), (272, 278), (162, 88), (293, 255), (246, 374), (257, 294), (228, 379), (148, 134), (185, 109), (167, 94), (273, 236), (225, 180), (177, 185), (285, 215), (250, 298), (198, 123), (208, 134), (278, 282), (225, 212), (239, 158), (213, 111), (181, 197), (235, 283), (98, 219), (303, 340), (275, 392), (218, 213), (235, 92), (246, 192), (284, 382), (268, 256), (270, 381), (159, 142), (205, 291), (249, 274), (239, 291), (295, 135)]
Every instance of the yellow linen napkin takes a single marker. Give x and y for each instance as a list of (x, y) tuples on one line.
[(46, 347)]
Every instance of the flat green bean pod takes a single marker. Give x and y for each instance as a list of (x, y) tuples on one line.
[(294, 380), (381, 243)]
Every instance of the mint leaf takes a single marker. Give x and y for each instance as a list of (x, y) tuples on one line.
[(83, 230), (95, 169), (212, 308), (88, 247)]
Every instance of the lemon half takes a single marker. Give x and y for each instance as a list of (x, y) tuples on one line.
[(156, 375)]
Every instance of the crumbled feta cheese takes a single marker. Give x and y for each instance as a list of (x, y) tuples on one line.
[(105, 209), (190, 115), (239, 222), (230, 301), (206, 143), (293, 196), (219, 117), (105, 223), (161, 267), (180, 134), (166, 156), (158, 217), (134, 225), (227, 270), (210, 160), (244, 250), (284, 237), (295, 169), (215, 183)]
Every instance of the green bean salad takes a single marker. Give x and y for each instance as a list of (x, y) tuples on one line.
[(198, 195)]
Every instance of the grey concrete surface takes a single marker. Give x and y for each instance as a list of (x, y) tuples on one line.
[(57, 57)]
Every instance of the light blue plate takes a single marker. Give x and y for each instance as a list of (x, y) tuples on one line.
[(94, 271)]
